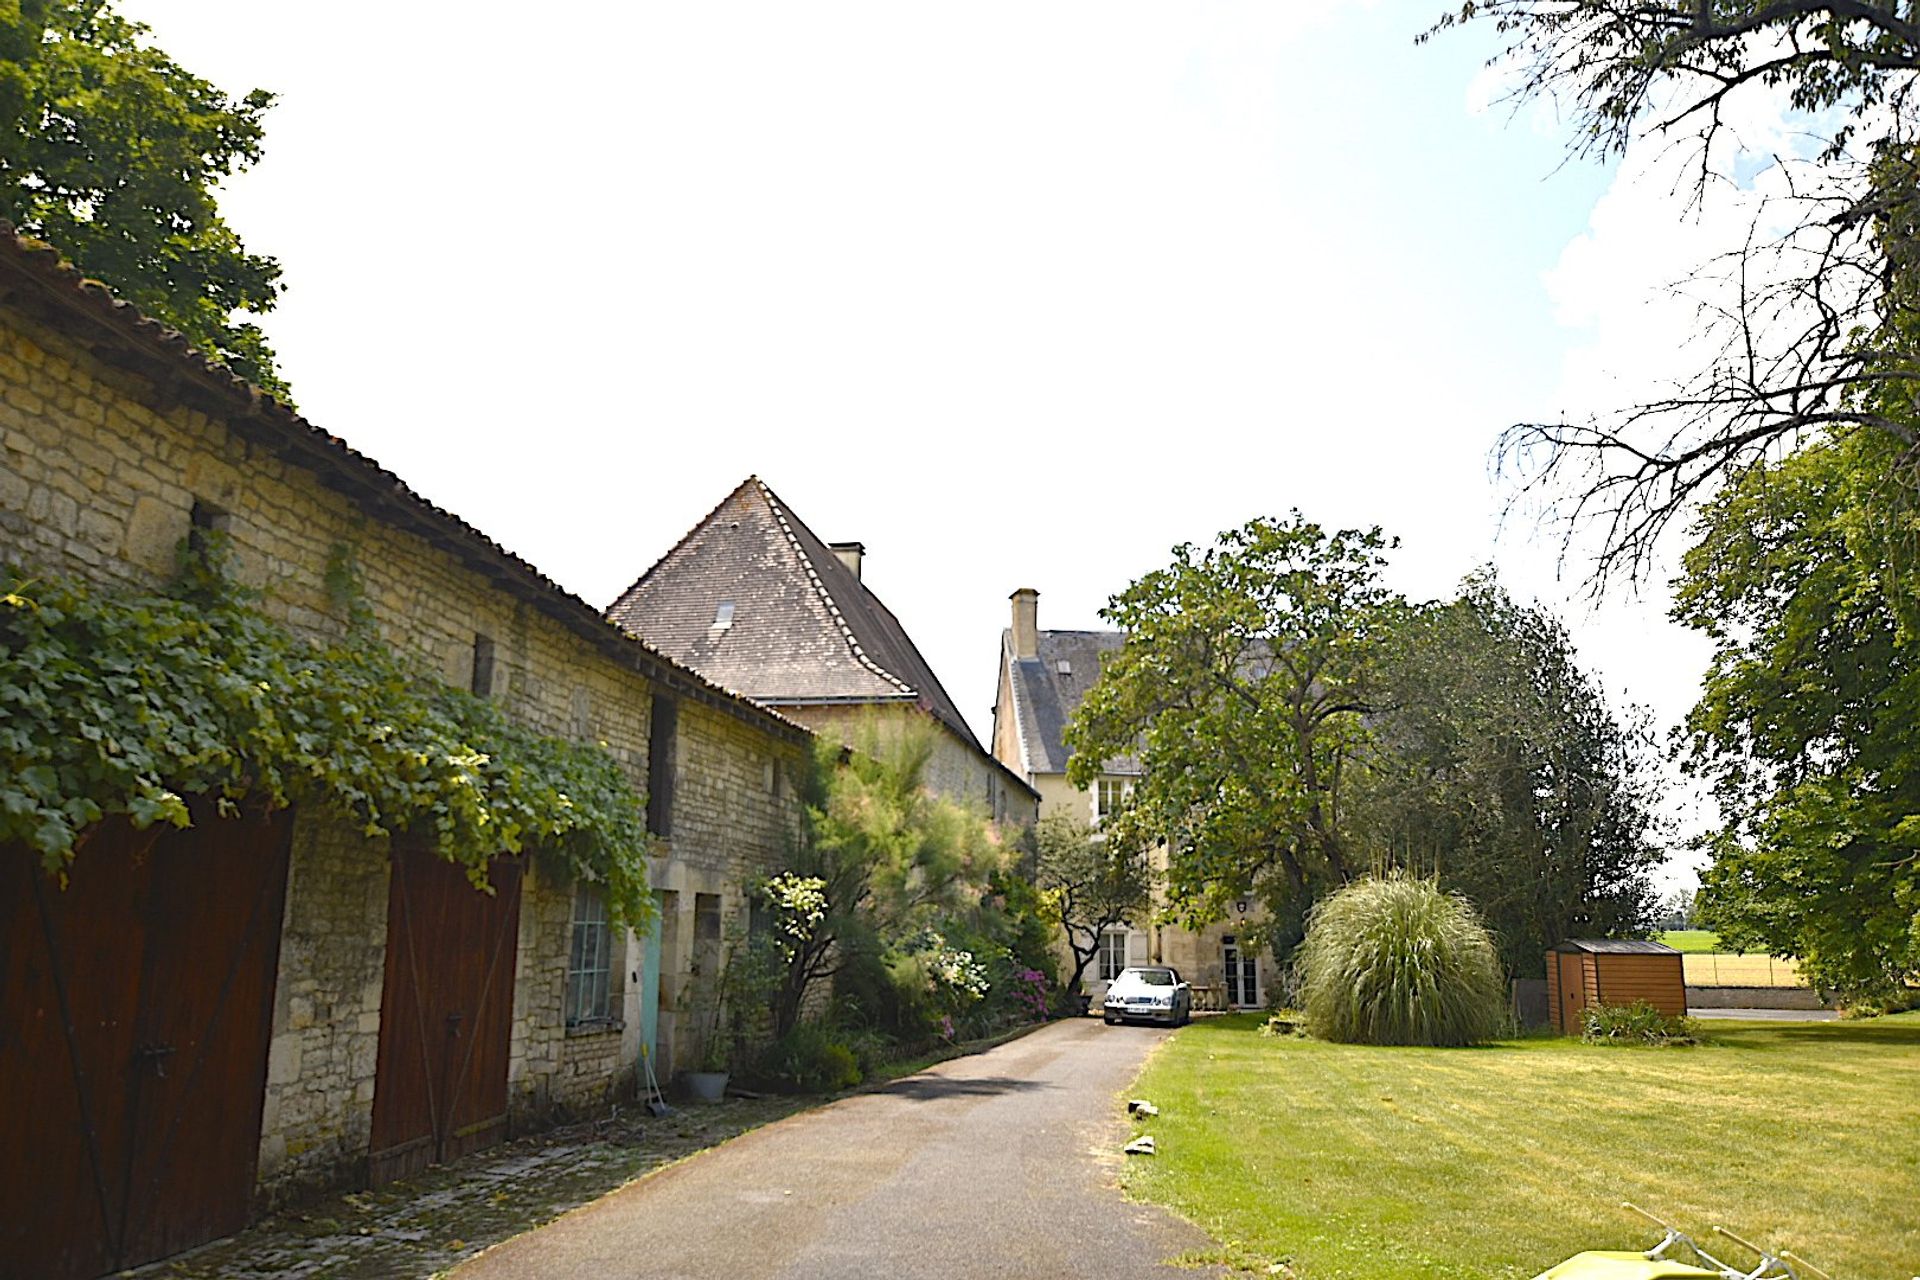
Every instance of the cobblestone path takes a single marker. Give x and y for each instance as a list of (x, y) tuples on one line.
[(429, 1223)]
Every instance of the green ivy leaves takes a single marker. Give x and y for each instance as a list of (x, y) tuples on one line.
[(125, 704)]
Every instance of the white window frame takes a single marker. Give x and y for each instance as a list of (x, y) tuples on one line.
[(1117, 788), (590, 960), (1111, 958), (1247, 960)]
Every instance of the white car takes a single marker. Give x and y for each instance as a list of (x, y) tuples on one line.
[(1150, 993)]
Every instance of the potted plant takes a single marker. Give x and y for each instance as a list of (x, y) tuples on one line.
[(708, 1079)]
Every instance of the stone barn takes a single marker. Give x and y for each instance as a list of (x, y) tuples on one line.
[(198, 1024)]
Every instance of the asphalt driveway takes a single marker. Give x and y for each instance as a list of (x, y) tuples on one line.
[(1000, 1164)]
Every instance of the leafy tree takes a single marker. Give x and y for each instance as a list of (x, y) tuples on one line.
[(112, 152), (878, 859), (1801, 577), (1087, 884), (1498, 767), (1248, 671), (1808, 323)]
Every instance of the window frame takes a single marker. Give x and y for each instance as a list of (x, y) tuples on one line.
[(1108, 967), (663, 749), (589, 991)]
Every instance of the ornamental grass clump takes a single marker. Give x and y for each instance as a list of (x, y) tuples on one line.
[(1394, 960)]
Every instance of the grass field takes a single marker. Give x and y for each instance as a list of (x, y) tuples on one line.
[(1708, 966), (1691, 939), (1345, 1161)]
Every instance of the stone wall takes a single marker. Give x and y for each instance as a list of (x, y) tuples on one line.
[(326, 1023), (100, 471)]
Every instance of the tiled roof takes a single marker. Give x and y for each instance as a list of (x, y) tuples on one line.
[(1047, 690), (752, 597), (35, 278)]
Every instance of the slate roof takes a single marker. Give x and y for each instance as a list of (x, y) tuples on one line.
[(1617, 946), (1045, 696), (38, 281), (801, 627)]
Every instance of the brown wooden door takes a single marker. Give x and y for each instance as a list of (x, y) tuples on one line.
[(446, 1016), (133, 1042), (1573, 990)]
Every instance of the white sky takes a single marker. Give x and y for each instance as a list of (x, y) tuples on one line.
[(1018, 294)]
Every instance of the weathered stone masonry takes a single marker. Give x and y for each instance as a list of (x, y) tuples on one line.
[(108, 439)]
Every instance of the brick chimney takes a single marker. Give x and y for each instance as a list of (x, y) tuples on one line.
[(1026, 623), (849, 554)]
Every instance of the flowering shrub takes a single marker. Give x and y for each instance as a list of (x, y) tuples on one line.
[(958, 971), (1030, 992), (799, 904)]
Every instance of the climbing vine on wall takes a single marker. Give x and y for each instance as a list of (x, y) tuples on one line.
[(125, 704)]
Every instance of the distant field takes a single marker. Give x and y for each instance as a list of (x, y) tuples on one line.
[(1708, 966), (1721, 969)]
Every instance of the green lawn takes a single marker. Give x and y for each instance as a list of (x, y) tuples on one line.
[(1497, 1162), (1691, 939)]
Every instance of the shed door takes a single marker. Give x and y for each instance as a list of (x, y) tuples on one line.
[(446, 1016), (133, 1042), (1573, 989)]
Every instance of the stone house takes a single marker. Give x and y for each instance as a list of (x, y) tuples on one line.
[(205, 1023), (752, 598), (1043, 676)]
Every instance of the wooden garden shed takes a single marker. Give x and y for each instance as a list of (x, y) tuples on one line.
[(1589, 971)]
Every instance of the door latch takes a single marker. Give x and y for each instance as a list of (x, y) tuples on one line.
[(155, 1056)]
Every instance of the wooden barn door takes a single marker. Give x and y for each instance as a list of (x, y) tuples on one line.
[(446, 1017), (134, 1026)]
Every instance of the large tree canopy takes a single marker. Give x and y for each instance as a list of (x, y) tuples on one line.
[(1499, 769), (1297, 724), (1802, 579), (1805, 322), (112, 152), (1248, 671)]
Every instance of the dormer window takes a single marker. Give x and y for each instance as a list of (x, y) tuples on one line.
[(723, 616), (1064, 667)]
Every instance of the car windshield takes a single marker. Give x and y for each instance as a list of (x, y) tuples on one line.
[(1149, 977)]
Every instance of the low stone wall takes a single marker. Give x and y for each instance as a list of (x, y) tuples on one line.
[(1755, 998)]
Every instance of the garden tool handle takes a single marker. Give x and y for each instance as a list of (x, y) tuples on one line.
[(1799, 1261)]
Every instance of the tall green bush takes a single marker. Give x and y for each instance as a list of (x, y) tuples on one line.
[(1393, 960)]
